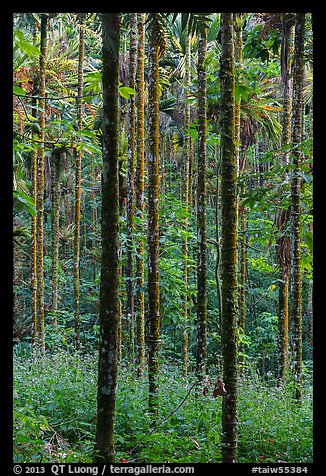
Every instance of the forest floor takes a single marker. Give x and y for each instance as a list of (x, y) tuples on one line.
[(55, 416)]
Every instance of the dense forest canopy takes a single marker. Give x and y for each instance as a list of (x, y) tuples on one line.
[(163, 231)]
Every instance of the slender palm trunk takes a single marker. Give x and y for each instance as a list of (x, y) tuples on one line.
[(282, 242), (131, 179), (40, 194), (57, 156), (201, 205), (109, 290), (153, 225), (34, 254), (229, 242), (296, 284), (186, 203), (34, 227), (78, 181), (238, 24), (140, 205), (238, 59), (310, 316), (243, 266), (283, 326)]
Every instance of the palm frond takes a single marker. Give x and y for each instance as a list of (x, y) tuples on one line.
[(194, 21), (157, 23)]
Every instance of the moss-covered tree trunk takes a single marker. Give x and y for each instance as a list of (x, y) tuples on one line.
[(296, 284), (310, 316), (243, 273), (131, 181), (40, 192), (57, 158), (238, 25), (201, 204), (34, 254), (140, 204), (109, 289), (34, 223), (185, 337), (229, 242), (78, 168), (282, 241), (153, 225)]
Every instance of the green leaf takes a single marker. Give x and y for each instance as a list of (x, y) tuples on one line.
[(308, 237), (19, 90), (24, 202), (305, 177), (29, 49), (126, 92)]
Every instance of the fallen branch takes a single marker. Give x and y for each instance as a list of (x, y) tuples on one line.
[(169, 416)]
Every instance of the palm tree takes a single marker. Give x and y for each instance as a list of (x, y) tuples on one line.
[(34, 227), (186, 203), (201, 202), (238, 25), (296, 283), (131, 178), (40, 192), (109, 290), (56, 167), (140, 205), (156, 45), (229, 241), (78, 155), (283, 240)]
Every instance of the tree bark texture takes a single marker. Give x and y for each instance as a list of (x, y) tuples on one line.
[(34, 227), (109, 290), (56, 160), (201, 205), (243, 269), (283, 326), (40, 193), (78, 169), (296, 285), (187, 139), (131, 180), (34, 255), (153, 225), (283, 241), (140, 204), (229, 242)]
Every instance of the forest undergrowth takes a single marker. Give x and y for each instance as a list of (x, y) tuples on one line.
[(55, 415)]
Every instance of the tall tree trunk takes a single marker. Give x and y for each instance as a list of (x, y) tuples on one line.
[(229, 242), (109, 290), (238, 25), (78, 179), (34, 255), (185, 251), (40, 194), (131, 179), (140, 205), (243, 269), (34, 226), (57, 157), (296, 284), (282, 241), (310, 311), (153, 225), (201, 204)]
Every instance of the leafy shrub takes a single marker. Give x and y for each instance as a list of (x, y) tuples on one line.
[(55, 410)]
